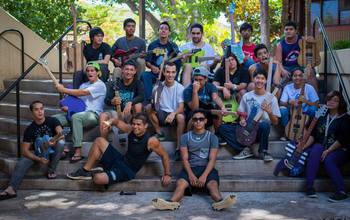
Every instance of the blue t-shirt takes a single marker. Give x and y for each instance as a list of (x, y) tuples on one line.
[(204, 94)]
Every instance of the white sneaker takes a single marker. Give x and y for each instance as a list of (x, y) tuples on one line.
[(245, 153), (225, 203), (162, 204)]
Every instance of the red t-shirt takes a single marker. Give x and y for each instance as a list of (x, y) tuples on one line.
[(249, 51)]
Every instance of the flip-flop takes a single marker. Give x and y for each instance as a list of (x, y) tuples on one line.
[(51, 175), (64, 154), (7, 196), (76, 160)]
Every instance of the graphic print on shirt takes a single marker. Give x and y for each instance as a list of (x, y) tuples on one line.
[(292, 57), (254, 106), (43, 130)]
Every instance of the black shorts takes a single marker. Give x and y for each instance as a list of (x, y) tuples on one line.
[(198, 171), (115, 167), (161, 115)]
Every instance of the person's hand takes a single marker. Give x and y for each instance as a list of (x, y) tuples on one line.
[(196, 86), (43, 161), (243, 122), (284, 73), (116, 101), (64, 108), (266, 107), (324, 154), (143, 54), (116, 62), (127, 109), (166, 180), (106, 125), (293, 102), (170, 118), (226, 93), (60, 88), (193, 180), (228, 85), (155, 69), (201, 181)]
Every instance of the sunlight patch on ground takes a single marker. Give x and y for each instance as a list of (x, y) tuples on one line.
[(104, 206), (129, 209), (200, 218), (59, 203), (253, 214), (43, 194)]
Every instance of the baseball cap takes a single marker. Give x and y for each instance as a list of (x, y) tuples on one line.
[(201, 71)]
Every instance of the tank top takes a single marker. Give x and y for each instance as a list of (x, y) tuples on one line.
[(290, 52), (138, 152)]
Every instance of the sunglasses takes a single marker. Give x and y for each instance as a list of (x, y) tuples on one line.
[(198, 119)]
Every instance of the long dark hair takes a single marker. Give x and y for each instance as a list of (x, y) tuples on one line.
[(229, 54), (342, 108)]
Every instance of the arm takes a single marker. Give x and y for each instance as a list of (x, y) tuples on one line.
[(218, 101), (73, 92), (184, 156), (119, 124), (105, 59), (155, 146), (195, 100), (28, 154), (139, 94), (277, 75), (211, 164)]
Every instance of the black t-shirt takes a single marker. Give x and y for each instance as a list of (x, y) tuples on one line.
[(92, 54), (240, 76), (138, 152), (337, 131), (34, 130), (132, 93)]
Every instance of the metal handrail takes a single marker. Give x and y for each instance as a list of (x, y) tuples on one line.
[(328, 47), (18, 116), (25, 73)]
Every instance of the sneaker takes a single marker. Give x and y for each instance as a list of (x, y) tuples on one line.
[(337, 197), (266, 157), (283, 138), (245, 153), (222, 142), (225, 203), (80, 174), (162, 204), (160, 136), (310, 192)]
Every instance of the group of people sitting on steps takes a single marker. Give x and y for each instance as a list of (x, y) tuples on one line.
[(163, 86)]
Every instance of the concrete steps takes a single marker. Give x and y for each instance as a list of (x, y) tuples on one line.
[(39, 85), (9, 109)]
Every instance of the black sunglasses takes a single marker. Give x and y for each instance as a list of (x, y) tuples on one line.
[(201, 119)]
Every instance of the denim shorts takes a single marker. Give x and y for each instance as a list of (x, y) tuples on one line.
[(198, 171)]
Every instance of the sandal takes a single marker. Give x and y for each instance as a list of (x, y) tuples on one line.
[(75, 159), (51, 175), (64, 154), (7, 196)]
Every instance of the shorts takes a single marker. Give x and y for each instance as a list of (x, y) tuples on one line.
[(161, 115), (198, 171), (115, 167)]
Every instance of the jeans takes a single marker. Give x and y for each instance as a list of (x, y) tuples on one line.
[(228, 132), (148, 79), (24, 164), (79, 120), (310, 111), (333, 161)]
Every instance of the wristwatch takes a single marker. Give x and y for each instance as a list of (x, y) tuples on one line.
[(234, 87)]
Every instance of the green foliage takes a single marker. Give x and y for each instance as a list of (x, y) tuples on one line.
[(47, 18), (341, 44)]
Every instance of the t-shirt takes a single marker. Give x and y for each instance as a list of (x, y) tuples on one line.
[(249, 51), (157, 60), (291, 93), (204, 94), (126, 44), (128, 93), (251, 102), (34, 130), (198, 146), (92, 54), (337, 130), (171, 97), (240, 76), (208, 50), (94, 101)]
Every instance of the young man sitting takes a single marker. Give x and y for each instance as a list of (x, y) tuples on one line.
[(291, 94), (92, 93), (199, 149), (118, 167), (129, 97), (40, 126), (251, 103), (203, 94), (168, 107)]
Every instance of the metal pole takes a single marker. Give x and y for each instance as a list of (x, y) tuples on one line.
[(325, 67), (60, 63), (142, 19), (18, 107)]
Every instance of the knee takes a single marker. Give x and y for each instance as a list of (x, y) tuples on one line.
[(100, 179), (180, 118), (100, 141), (181, 184), (212, 184), (104, 116), (138, 108), (76, 118)]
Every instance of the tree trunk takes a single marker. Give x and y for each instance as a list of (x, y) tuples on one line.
[(264, 22), (150, 18)]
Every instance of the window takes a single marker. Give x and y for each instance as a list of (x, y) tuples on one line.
[(345, 17), (315, 10), (344, 4), (330, 12)]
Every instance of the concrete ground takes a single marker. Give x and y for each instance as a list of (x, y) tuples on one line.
[(76, 205)]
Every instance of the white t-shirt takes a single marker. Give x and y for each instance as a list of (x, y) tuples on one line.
[(291, 93), (251, 102), (95, 101), (209, 51), (171, 97)]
